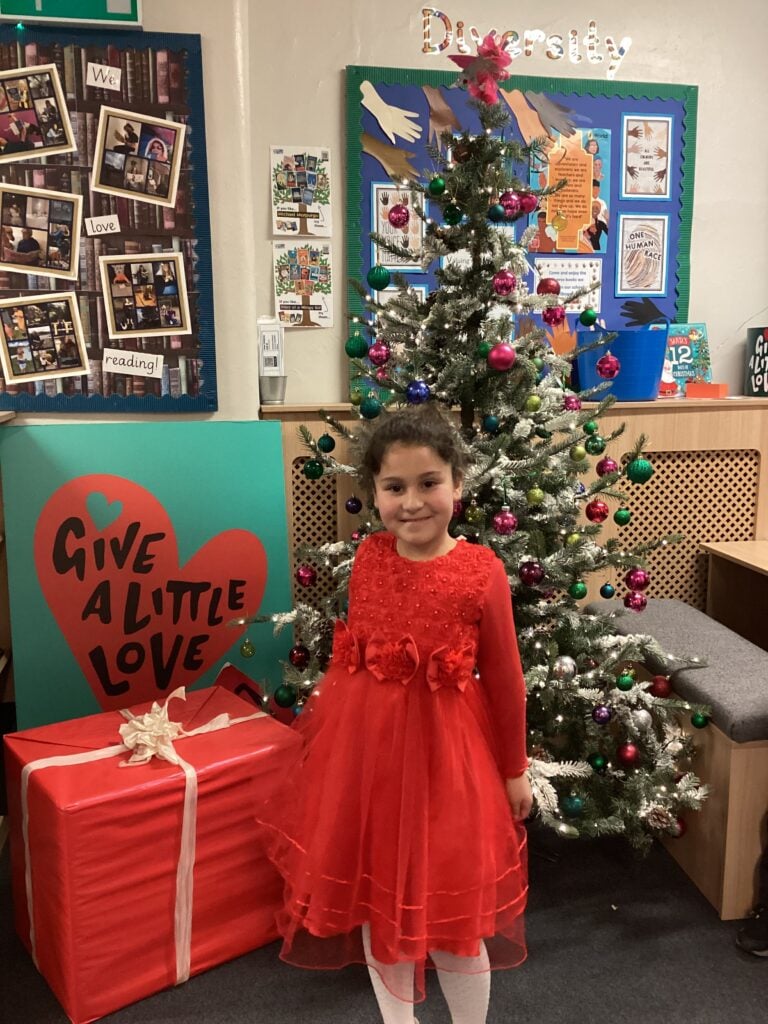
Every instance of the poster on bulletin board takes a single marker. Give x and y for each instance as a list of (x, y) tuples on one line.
[(105, 194), (132, 550)]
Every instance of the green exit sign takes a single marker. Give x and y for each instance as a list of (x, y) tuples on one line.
[(118, 13)]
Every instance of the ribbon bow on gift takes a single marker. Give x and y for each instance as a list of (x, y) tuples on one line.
[(152, 734)]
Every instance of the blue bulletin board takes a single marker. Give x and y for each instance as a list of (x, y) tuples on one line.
[(623, 220), (131, 549)]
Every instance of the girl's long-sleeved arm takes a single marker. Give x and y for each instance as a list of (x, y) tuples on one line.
[(501, 673)]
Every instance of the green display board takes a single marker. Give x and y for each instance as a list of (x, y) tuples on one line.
[(118, 13), (132, 549)]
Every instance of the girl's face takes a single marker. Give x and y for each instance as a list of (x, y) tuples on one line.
[(414, 493)]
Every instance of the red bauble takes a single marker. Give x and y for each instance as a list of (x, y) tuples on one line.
[(608, 366), (680, 828), (597, 511), (306, 575), (501, 356), (635, 601), (628, 755), (299, 656), (548, 286), (382, 374), (606, 466), (504, 522), (504, 282), (553, 315), (379, 353), (458, 509), (660, 687), (511, 203), (637, 579), (528, 201), (398, 215), (531, 573), (572, 403)]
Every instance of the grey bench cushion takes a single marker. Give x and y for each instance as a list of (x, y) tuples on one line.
[(735, 681)]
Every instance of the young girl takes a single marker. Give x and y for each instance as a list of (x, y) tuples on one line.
[(403, 846)]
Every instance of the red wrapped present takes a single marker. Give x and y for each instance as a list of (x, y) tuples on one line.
[(135, 863)]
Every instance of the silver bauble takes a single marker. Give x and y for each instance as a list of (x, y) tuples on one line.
[(642, 719), (564, 668)]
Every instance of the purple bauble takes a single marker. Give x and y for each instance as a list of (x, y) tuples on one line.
[(608, 366), (398, 215), (596, 511), (353, 505), (504, 282), (553, 315), (504, 522), (602, 714), (637, 579), (635, 601), (417, 392), (572, 403), (306, 575), (511, 203), (606, 466), (531, 573), (379, 353), (501, 356), (528, 201)]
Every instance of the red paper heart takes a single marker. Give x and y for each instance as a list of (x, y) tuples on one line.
[(138, 623)]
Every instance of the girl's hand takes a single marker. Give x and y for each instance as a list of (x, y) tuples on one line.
[(519, 796)]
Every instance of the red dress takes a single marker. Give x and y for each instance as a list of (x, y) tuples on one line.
[(397, 814)]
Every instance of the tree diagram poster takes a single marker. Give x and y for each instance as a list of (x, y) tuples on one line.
[(301, 190), (124, 583), (303, 283), (102, 143)]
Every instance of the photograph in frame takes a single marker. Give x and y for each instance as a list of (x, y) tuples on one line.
[(138, 156), (145, 294), (34, 120), (42, 338), (40, 231)]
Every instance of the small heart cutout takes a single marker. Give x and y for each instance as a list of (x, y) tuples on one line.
[(102, 512)]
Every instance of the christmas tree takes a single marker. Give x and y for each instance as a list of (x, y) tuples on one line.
[(608, 754)]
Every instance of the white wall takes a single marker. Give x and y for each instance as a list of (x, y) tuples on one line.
[(274, 74)]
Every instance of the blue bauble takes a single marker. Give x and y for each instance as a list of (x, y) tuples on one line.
[(573, 806), (490, 424), (496, 213), (607, 591), (353, 505), (417, 392)]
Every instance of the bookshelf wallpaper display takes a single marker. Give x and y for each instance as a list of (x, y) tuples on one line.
[(160, 83)]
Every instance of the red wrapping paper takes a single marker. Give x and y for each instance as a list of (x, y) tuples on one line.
[(104, 846)]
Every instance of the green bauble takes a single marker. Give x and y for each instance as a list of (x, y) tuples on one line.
[(325, 443), (588, 317), (622, 516), (356, 397), (543, 433), (639, 470), (624, 682), (590, 427), (453, 215), (356, 346), (247, 648), (699, 721), (436, 187), (313, 469), (535, 496), (598, 762), (573, 806), (474, 514), (482, 349), (578, 589), (578, 453), (532, 403), (595, 444), (538, 362), (572, 539), (378, 277), (284, 696), (370, 407)]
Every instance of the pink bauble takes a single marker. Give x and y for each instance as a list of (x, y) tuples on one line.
[(548, 286), (511, 203), (398, 215), (627, 755), (606, 466), (608, 366), (572, 403), (382, 374), (553, 315), (504, 522), (531, 573), (528, 201), (597, 511), (635, 601), (637, 579), (306, 575), (379, 353), (504, 282), (501, 356)]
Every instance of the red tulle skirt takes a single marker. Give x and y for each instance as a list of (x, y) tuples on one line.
[(397, 815)]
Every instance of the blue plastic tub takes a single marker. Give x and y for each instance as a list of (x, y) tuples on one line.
[(640, 351)]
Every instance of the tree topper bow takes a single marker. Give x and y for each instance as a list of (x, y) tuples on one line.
[(483, 72)]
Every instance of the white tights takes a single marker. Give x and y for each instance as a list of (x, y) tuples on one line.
[(465, 981)]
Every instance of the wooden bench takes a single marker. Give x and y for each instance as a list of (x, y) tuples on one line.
[(723, 844)]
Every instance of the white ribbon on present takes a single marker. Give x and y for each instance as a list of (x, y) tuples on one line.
[(146, 736)]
